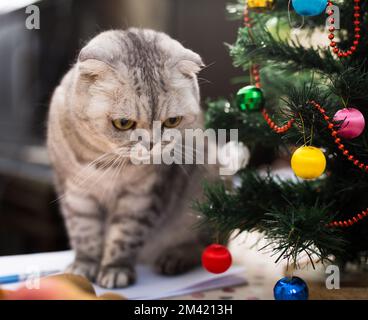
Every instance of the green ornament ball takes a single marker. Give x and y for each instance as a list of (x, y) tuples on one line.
[(250, 98), (279, 28)]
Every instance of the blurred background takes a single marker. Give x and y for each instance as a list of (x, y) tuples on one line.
[(32, 63)]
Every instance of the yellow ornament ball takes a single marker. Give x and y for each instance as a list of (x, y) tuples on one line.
[(308, 162), (260, 4)]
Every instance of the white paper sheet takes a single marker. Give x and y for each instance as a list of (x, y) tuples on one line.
[(149, 285)]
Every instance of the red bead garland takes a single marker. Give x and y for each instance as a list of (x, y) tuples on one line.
[(337, 140), (273, 126), (349, 222), (357, 29), (356, 162), (257, 78), (247, 20)]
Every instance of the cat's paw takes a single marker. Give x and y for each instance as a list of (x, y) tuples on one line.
[(177, 260), (87, 269), (115, 277)]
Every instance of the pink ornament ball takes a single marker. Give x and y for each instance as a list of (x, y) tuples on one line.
[(353, 123)]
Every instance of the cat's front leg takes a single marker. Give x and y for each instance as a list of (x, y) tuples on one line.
[(84, 222), (124, 238)]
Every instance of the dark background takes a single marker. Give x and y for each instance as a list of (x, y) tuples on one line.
[(32, 63)]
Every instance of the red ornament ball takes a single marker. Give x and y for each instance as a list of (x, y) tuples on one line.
[(216, 258)]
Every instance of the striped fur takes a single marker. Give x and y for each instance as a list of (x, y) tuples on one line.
[(117, 213)]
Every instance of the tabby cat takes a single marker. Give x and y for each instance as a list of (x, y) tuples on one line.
[(117, 212)]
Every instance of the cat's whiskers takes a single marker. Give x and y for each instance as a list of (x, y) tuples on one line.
[(178, 161), (80, 174), (86, 187), (204, 80), (122, 162), (78, 183), (121, 166), (113, 166), (187, 151), (114, 177), (80, 180)]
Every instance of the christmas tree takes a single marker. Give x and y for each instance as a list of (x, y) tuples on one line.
[(308, 101)]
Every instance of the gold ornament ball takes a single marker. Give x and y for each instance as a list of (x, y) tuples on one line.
[(308, 162), (260, 4)]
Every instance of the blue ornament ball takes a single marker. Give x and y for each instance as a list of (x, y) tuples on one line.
[(291, 289), (309, 7)]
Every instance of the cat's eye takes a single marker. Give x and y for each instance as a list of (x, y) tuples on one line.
[(123, 124), (172, 122)]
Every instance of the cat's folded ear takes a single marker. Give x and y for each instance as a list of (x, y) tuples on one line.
[(190, 64), (91, 64)]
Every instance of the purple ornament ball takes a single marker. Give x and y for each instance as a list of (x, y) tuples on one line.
[(353, 123)]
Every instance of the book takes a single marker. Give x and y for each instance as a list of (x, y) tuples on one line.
[(149, 285)]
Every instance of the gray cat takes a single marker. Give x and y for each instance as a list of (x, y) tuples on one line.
[(116, 212)]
